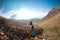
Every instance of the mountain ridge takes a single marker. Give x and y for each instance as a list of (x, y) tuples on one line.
[(52, 18)]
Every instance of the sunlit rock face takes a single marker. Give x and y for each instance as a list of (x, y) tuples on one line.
[(52, 19)]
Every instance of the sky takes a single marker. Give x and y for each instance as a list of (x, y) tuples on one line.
[(26, 9)]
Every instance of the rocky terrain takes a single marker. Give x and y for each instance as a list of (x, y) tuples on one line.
[(14, 29)]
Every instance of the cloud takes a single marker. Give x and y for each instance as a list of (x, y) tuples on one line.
[(1, 11), (23, 14), (8, 14)]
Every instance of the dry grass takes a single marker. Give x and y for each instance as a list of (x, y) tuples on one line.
[(51, 28)]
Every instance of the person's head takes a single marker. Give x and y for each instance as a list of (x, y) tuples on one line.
[(30, 22)]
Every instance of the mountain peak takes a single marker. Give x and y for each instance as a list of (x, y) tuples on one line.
[(54, 11)]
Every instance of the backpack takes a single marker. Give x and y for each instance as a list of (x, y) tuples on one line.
[(33, 33)]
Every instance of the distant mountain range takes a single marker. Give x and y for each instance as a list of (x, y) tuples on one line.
[(33, 20)]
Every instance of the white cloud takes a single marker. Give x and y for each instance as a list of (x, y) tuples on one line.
[(1, 11), (8, 14), (24, 14)]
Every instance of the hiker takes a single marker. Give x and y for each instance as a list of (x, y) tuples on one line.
[(32, 32)]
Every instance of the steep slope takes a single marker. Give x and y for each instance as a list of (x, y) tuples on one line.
[(52, 13), (51, 25), (14, 23), (13, 29), (52, 19)]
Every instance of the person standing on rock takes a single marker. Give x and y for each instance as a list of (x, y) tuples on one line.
[(32, 32)]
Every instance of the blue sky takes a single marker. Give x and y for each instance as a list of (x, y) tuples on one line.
[(26, 9)]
